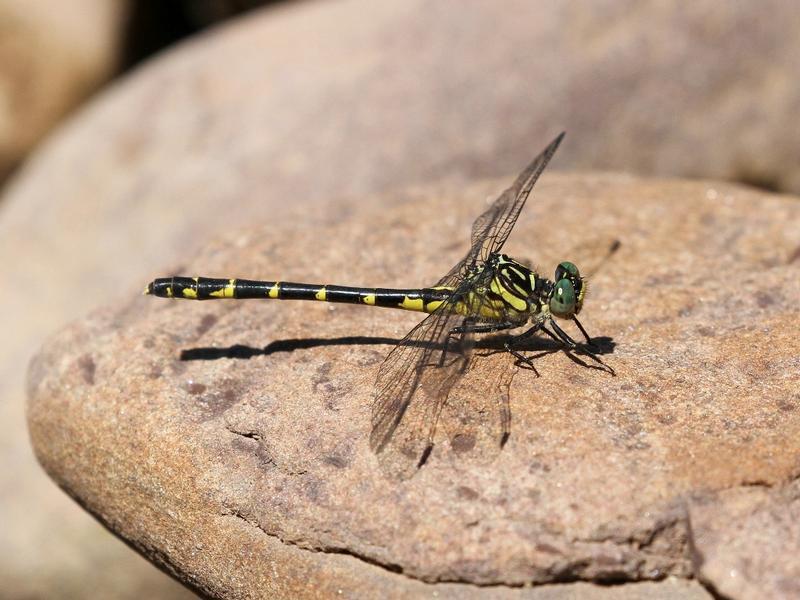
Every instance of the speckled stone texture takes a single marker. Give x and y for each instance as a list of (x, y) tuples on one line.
[(284, 110), (745, 540), (227, 441)]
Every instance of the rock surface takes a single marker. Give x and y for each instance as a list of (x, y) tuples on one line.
[(745, 541), (336, 104), (52, 55), (227, 441)]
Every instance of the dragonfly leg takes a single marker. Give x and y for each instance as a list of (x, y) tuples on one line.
[(562, 336), (469, 326), (583, 331), (521, 358), (460, 331)]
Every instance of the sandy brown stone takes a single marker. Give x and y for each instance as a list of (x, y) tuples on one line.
[(745, 541), (332, 103), (228, 440), (52, 55)]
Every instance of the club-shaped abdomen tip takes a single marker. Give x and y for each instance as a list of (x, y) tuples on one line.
[(161, 288)]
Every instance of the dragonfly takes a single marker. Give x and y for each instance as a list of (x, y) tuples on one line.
[(484, 293)]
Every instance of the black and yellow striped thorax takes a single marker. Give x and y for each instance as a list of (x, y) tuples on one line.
[(504, 289), (500, 289)]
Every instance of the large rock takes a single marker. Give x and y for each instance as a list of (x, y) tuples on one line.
[(52, 55), (228, 441), (745, 540), (303, 103)]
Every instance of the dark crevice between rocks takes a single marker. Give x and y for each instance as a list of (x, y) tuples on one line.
[(153, 25), (697, 559), (567, 574), (394, 568), (709, 587)]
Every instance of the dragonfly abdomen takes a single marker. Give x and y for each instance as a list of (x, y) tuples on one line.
[(206, 288)]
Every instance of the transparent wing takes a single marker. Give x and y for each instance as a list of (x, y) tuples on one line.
[(492, 228), (477, 416), (417, 376), (425, 364)]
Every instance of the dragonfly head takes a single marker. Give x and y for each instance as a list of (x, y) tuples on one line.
[(569, 288)]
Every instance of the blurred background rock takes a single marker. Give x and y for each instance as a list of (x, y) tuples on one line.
[(303, 101), (53, 55)]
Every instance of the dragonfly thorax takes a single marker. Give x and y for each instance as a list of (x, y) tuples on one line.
[(514, 285), (524, 292)]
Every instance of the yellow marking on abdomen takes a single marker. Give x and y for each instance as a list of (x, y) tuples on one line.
[(189, 293), (369, 299), (227, 291), (321, 295), (434, 304), (274, 291), (412, 304), (169, 291)]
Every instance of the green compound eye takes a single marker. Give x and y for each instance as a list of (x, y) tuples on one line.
[(566, 269), (562, 303)]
